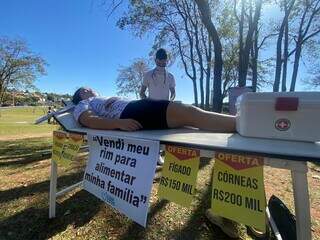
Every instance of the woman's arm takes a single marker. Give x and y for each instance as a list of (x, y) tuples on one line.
[(91, 120)]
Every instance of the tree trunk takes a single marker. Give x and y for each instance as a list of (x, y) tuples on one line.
[(248, 44), (241, 83), (1, 97), (208, 75), (310, 12), (205, 39), (217, 94), (195, 92), (197, 46), (285, 59), (1, 93), (255, 61), (191, 49), (4, 89), (276, 85), (295, 67), (218, 63)]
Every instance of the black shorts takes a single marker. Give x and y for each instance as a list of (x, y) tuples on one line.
[(151, 114)]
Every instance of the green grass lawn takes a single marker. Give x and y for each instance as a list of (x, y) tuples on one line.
[(24, 189), (19, 122)]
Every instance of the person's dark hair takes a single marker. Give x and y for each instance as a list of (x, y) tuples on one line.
[(76, 96), (161, 54)]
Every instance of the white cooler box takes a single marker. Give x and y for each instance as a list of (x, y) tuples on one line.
[(289, 116)]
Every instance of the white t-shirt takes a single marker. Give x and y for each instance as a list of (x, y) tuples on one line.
[(158, 81), (111, 107)]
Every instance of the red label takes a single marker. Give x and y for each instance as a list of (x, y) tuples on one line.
[(183, 153), (76, 137), (59, 135), (287, 104), (239, 162)]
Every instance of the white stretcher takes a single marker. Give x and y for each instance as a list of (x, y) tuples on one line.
[(289, 155)]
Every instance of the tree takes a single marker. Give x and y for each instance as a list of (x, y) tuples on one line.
[(298, 30), (313, 78), (308, 28), (19, 67), (218, 61), (176, 26), (282, 57), (314, 82), (130, 78), (50, 97), (248, 20)]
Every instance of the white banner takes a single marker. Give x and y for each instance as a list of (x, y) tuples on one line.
[(120, 172)]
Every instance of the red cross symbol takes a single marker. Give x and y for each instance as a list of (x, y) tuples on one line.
[(282, 124)]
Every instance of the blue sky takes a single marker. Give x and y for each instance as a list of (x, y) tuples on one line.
[(82, 47)]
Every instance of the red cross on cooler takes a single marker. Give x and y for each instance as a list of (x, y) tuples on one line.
[(282, 124)]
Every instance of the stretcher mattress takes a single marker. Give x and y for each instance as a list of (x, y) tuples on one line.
[(233, 143)]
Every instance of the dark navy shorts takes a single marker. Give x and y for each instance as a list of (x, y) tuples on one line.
[(151, 114)]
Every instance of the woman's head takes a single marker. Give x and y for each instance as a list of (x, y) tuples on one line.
[(82, 94)]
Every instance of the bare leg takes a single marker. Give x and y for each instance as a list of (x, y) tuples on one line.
[(179, 115)]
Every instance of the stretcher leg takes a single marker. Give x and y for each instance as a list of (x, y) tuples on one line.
[(302, 204)]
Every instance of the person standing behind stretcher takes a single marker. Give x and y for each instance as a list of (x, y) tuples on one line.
[(158, 81)]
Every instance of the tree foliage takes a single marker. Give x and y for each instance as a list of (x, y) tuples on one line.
[(130, 78), (297, 33), (19, 66), (220, 44), (177, 26), (247, 14)]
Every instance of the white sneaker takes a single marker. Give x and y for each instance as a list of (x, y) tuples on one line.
[(230, 228), (160, 160)]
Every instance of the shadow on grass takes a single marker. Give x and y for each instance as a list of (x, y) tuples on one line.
[(24, 160), (204, 161), (23, 147), (40, 187), (195, 226), (135, 231), (192, 229), (33, 223)]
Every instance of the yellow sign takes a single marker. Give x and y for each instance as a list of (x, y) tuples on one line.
[(71, 148), (59, 139), (64, 149), (238, 189), (179, 175)]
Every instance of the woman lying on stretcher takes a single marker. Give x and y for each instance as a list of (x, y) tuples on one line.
[(116, 113)]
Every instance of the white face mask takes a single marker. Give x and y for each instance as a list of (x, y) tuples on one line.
[(161, 63)]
